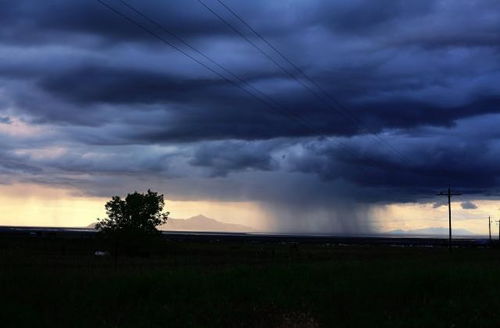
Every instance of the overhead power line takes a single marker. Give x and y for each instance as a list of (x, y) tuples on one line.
[(268, 101), (323, 95), (199, 52), (159, 37)]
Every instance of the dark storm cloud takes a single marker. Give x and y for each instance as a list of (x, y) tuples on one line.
[(117, 86), (407, 106), (425, 172), (224, 111), (423, 74), (408, 114), (30, 22), (227, 156), (361, 17)]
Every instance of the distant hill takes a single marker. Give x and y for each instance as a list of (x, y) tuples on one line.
[(198, 223), (430, 231), (202, 223)]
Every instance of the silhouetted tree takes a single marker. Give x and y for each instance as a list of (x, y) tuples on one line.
[(137, 215)]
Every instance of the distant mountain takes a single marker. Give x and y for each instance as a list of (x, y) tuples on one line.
[(430, 231), (202, 223), (197, 223)]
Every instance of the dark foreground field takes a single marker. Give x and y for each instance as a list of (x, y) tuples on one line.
[(59, 283)]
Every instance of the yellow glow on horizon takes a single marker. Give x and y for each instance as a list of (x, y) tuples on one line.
[(416, 216), (245, 213), (38, 205)]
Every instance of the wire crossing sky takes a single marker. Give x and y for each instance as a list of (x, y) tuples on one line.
[(320, 94), (269, 102), (314, 115)]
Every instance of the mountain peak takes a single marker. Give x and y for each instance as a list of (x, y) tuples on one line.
[(431, 231), (202, 223), (200, 217), (198, 223)]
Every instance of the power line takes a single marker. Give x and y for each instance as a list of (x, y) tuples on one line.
[(159, 37), (269, 103), (301, 72), (256, 46), (261, 51), (343, 110), (199, 52)]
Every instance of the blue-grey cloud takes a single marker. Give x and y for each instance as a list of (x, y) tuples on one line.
[(5, 120), (468, 205)]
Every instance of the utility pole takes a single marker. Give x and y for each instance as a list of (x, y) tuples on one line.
[(489, 226), (498, 222), (449, 193)]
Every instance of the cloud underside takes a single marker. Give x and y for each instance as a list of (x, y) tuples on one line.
[(409, 100)]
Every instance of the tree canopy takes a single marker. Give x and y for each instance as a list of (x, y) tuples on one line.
[(137, 214)]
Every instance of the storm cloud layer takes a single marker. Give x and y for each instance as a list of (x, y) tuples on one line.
[(387, 101)]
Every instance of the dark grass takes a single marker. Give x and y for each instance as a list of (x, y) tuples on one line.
[(43, 284)]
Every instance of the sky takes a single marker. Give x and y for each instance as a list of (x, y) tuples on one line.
[(366, 110)]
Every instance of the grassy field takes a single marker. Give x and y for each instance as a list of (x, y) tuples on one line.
[(60, 284)]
